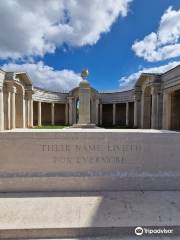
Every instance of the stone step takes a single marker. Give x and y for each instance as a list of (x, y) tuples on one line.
[(42, 215)]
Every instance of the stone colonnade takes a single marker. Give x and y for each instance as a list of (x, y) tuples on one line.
[(16, 106), (153, 108), (114, 113), (52, 114)]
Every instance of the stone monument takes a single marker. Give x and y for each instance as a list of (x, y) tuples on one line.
[(84, 102)]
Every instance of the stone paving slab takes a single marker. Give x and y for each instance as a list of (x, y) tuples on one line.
[(70, 129), (71, 214)]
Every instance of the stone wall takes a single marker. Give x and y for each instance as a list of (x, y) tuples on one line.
[(89, 160), (48, 96), (117, 97)]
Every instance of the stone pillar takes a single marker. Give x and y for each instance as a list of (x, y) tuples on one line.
[(84, 103), (13, 105), (154, 111), (52, 113), (32, 114), (70, 110), (137, 110), (1, 110), (100, 113), (66, 114), (29, 110), (97, 111), (127, 114), (8, 110), (142, 109), (39, 114), (166, 110), (114, 114), (24, 110)]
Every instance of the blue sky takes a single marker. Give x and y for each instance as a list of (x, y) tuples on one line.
[(116, 45)]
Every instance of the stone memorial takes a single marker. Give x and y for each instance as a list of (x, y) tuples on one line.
[(81, 180), (84, 103), (90, 160)]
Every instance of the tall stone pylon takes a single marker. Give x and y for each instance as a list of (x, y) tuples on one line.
[(84, 103)]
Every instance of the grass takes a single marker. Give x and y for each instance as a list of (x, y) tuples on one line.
[(115, 127), (50, 127)]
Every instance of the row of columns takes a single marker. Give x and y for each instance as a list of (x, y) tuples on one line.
[(1, 109), (72, 110), (27, 104), (146, 109), (52, 113), (166, 121), (158, 99), (114, 113)]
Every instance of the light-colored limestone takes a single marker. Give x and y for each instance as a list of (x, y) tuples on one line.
[(52, 113), (78, 214), (84, 103), (39, 114), (1, 110), (89, 160)]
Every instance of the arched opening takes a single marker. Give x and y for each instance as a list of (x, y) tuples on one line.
[(147, 108), (19, 101)]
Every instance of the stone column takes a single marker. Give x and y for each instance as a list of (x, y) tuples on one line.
[(39, 114), (137, 110), (166, 110), (29, 110), (8, 110), (100, 112), (114, 114), (154, 111), (52, 113), (97, 111), (13, 104), (1, 110), (142, 109), (70, 110), (84, 102), (32, 114), (127, 114), (24, 110), (66, 114)]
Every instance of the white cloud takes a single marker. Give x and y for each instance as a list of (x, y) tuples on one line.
[(46, 77), (127, 82), (33, 28), (164, 44)]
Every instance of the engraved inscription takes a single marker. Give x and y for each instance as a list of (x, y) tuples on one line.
[(90, 153)]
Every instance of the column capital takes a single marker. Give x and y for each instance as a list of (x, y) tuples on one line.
[(11, 88), (155, 89)]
